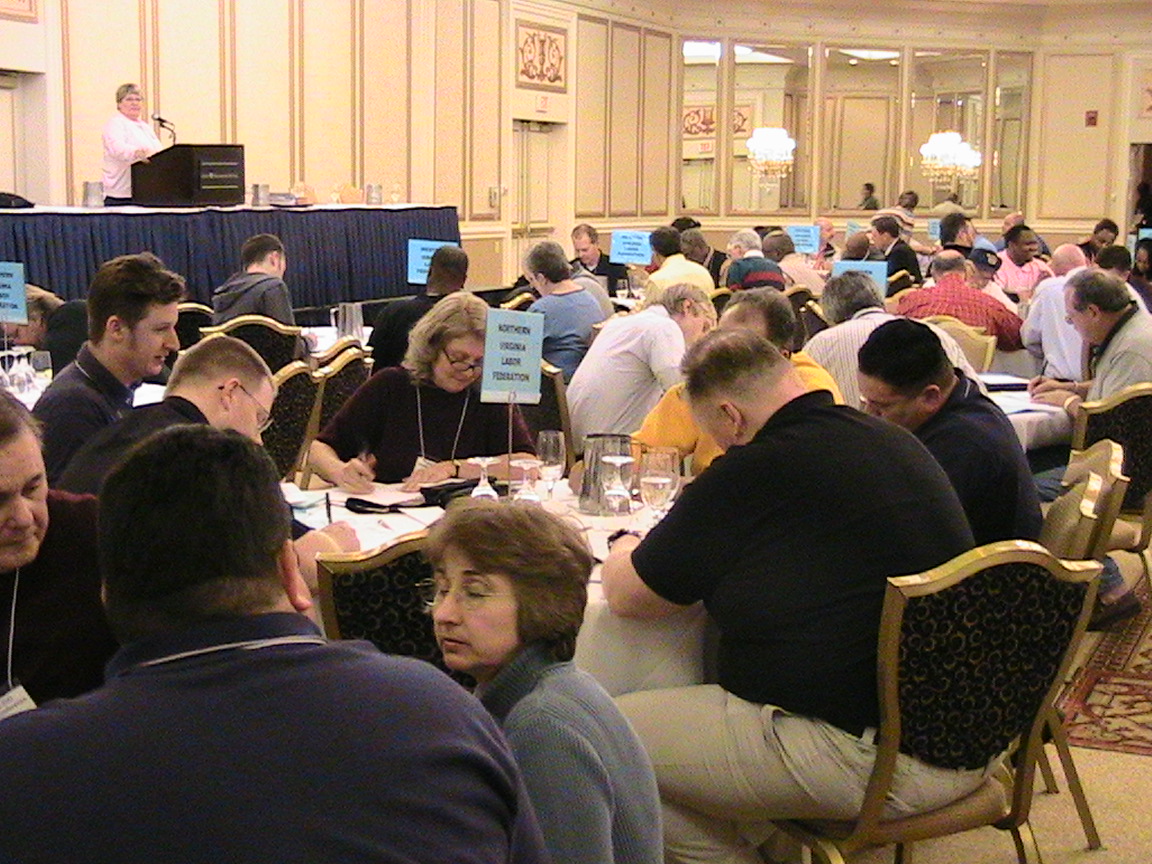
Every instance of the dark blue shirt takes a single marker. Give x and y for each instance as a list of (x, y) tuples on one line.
[(79, 402), (975, 444), (308, 752)]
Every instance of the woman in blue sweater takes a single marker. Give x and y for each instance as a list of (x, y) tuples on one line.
[(507, 602)]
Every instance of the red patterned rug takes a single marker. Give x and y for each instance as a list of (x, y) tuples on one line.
[(1109, 703)]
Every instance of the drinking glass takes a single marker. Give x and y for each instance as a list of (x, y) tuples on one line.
[(527, 490), (484, 488), (659, 479), (550, 452), (617, 495)]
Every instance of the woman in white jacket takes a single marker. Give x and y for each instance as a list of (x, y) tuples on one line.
[(127, 139)]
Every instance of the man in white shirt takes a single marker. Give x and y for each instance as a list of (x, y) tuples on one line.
[(634, 359), (127, 139), (674, 267), (1046, 332)]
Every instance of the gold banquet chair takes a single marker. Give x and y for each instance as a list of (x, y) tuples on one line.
[(1126, 418), (191, 319), (295, 416), (277, 343), (344, 343), (552, 410), (977, 346), (1030, 610), (378, 595), (520, 302)]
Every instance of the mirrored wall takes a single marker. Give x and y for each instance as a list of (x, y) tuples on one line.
[(1010, 100), (699, 127), (878, 104), (771, 89), (861, 125), (948, 90)]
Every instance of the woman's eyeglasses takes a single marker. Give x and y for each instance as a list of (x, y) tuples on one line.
[(463, 364)]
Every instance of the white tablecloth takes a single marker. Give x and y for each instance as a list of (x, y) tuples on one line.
[(1037, 425), (623, 654)]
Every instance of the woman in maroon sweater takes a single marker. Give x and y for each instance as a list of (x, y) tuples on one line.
[(419, 423)]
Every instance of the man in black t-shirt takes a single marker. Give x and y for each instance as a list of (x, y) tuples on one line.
[(788, 540)]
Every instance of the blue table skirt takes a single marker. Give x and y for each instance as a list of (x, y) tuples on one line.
[(333, 254)]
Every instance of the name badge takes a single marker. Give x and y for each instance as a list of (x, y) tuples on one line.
[(15, 701)]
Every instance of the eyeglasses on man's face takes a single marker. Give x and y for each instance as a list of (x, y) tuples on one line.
[(263, 415)]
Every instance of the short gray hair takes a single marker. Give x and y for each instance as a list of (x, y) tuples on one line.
[(745, 239), (730, 361), (847, 294), (693, 240), (126, 90), (1104, 290), (548, 259), (674, 297)]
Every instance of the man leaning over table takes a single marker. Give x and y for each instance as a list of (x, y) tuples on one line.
[(221, 382), (795, 587), (229, 729), (132, 312), (1119, 335)]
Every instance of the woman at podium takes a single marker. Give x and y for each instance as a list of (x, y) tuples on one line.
[(127, 139)]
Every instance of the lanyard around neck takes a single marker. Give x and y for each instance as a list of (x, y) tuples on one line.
[(459, 426)]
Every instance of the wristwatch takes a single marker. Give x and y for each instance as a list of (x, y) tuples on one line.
[(455, 467)]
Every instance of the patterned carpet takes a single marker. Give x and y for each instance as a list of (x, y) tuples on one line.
[(1109, 704)]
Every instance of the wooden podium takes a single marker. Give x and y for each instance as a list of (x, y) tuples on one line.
[(190, 175)]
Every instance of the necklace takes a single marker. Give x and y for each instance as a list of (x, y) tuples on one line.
[(459, 426)]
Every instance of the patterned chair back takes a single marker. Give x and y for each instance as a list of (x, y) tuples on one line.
[(295, 415), (978, 647), (1126, 418), (799, 297), (192, 318), (277, 343), (341, 379), (552, 410), (378, 596), (812, 319), (720, 298)]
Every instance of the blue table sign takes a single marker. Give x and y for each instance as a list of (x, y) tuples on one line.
[(934, 230), (1143, 233), (13, 300), (513, 344), (852, 228), (805, 237), (630, 247), (420, 257), (877, 270)]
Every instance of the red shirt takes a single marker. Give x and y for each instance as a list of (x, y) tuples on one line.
[(952, 295)]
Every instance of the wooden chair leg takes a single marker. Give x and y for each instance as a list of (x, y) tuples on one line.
[(1027, 852), (1060, 739), (1046, 772)]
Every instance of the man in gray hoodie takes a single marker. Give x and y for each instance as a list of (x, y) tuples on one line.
[(258, 288)]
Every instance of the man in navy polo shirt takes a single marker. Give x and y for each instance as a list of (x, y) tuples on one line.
[(906, 377), (229, 729)]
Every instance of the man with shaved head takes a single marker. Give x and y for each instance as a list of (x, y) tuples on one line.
[(951, 294)]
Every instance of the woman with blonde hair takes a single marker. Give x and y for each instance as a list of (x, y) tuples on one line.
[(421, 421)]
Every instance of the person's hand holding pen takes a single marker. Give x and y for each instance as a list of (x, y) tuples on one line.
[(358, 474)]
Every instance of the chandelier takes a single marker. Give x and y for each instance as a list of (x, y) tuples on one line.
[(946, 157), (770, 153)]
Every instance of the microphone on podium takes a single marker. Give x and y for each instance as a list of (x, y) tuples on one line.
[(161, 121)]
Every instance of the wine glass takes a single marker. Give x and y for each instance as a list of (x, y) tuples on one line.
[(659, 479), (527, 490), (550, 452), (617, 496), (484, 487)]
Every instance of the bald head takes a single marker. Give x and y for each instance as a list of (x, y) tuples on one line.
[(948, 261), (1066, 258)]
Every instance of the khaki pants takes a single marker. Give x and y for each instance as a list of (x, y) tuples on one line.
[(725, 767)]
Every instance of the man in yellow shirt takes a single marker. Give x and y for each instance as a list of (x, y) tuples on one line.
[(765, 311)]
